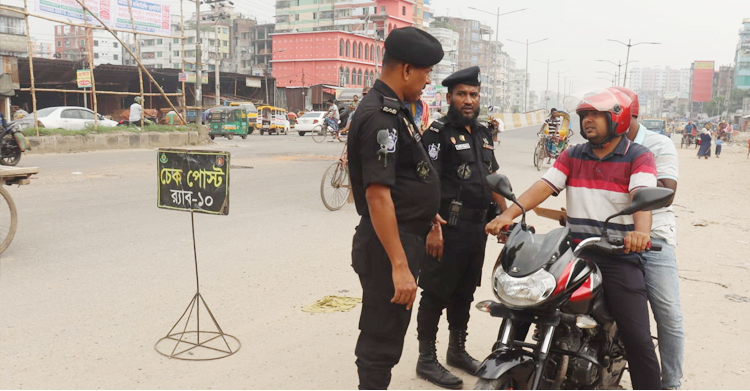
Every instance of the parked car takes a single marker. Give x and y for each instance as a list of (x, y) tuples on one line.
[(310, 121), (658, 125), (65, 117)]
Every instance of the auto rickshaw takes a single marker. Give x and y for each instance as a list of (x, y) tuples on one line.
[(545, 149), (252, 113), (228, 121), (272, 120)]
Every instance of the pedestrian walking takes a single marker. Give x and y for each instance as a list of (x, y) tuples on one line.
[(705, 142), (718, 146), (463, 154), (397, 194)]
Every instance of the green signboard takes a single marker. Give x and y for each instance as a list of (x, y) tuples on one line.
[(193, 181)]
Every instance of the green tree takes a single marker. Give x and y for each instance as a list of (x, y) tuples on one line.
[(735, 102)]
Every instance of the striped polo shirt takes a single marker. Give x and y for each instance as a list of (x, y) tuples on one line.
[(598, 188)]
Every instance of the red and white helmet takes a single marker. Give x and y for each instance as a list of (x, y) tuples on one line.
[(634, 105), (614, 102)]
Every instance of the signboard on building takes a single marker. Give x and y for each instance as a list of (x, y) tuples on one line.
[(83, 78), (9, 66), (189, 77), (196, 181), (149, 17), (252, 82), (434, 96), (703, 81)]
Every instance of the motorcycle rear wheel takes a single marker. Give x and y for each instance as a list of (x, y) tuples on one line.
[(10, 154), (8, 219), (504, 382)]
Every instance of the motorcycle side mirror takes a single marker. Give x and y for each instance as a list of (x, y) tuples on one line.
[(500, 184), (647, 198)]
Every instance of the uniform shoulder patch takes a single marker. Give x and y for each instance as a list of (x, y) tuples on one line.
[(437, 125), (390, 105)]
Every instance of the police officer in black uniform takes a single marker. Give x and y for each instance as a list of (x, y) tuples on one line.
[(397, 192), (463, 154)]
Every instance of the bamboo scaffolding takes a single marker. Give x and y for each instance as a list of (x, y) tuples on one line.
[(137, 60), (102, 92), (90, 55), (31, 67), (26, 13), (138, 52)]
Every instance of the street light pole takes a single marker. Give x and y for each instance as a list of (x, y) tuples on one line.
[(494, 46), (618, 64), (546, 100), (526, 74), (627, 58), (198, 62)]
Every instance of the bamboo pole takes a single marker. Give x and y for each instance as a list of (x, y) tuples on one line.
[(31, 68), (102, 92), (137, 60), (90, 55), (182, 40), (26, 13), (138, 52)]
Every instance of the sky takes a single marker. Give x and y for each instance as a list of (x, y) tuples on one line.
[(576, 32)]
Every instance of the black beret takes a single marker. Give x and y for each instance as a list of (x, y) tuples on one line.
[(469, 76), (414, 46)]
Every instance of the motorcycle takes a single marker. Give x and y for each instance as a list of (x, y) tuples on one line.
[(540, 279), (12, 144)]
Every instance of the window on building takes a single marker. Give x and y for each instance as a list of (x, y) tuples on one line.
[(96, 55), (115, 45), (347, 48), (225, 43), (366, 11), (359, 77), (382, 9), (159, 41), (80, 43), (176, 53), (341, 47), (359, 52), (159, 54), (346, 76), (367, 52), (96, 43), (341, 77), (115, 57), (315, 15), (176, 40), (59, 44), (191, 40), (176, 66), (372, 53), (403, 10)]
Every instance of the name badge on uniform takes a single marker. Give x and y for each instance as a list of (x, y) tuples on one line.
[(461, 147)]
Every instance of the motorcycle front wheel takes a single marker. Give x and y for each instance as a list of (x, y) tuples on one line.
[(504, 382), (10, 154)]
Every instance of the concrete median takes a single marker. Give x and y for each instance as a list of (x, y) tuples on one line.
[(96, 142)]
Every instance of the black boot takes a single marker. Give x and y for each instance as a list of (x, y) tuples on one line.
[(457, 356), (431, 370)]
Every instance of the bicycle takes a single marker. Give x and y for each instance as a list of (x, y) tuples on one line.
[(335, 186), (320, 133)]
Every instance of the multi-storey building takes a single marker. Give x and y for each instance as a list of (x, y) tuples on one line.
[(76, 43), (13, 33), (372, 16), (656, 79), (42, 49), (723, 80), (262, 48), (517, 90), (241, 45), (326, 57), (742, 58), (449, 39)]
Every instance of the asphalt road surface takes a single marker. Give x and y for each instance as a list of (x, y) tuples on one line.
[(97, 274)]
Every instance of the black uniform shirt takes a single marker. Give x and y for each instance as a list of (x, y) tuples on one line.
[(400, 162), (453, 150)]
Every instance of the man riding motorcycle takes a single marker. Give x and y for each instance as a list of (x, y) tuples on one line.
[(601, 176)]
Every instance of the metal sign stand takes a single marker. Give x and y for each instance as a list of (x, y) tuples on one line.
[(191, 340)]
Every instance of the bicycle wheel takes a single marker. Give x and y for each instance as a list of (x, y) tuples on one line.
[(8, 220), (683, 142), (539, 155), (334, 187), (319, 134)]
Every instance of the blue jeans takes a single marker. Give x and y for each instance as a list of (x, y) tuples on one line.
[(662, 285)]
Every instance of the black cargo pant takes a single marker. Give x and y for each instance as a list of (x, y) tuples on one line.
[(625, 294), (450, 283), (382, 324)]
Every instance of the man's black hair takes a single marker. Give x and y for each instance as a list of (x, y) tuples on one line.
[(388, 60)]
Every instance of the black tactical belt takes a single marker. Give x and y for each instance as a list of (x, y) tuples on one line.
[(467, 214)]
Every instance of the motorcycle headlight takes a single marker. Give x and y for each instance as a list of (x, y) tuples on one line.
[(523, 291)]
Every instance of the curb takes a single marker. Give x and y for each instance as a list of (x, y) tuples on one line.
[(98, 142)]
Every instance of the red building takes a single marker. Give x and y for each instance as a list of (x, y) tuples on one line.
[(703, 81), (335, 57), (325, 57)]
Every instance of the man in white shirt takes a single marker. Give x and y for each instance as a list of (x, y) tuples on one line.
[(332, 118), (662, 281), (136, 112)]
